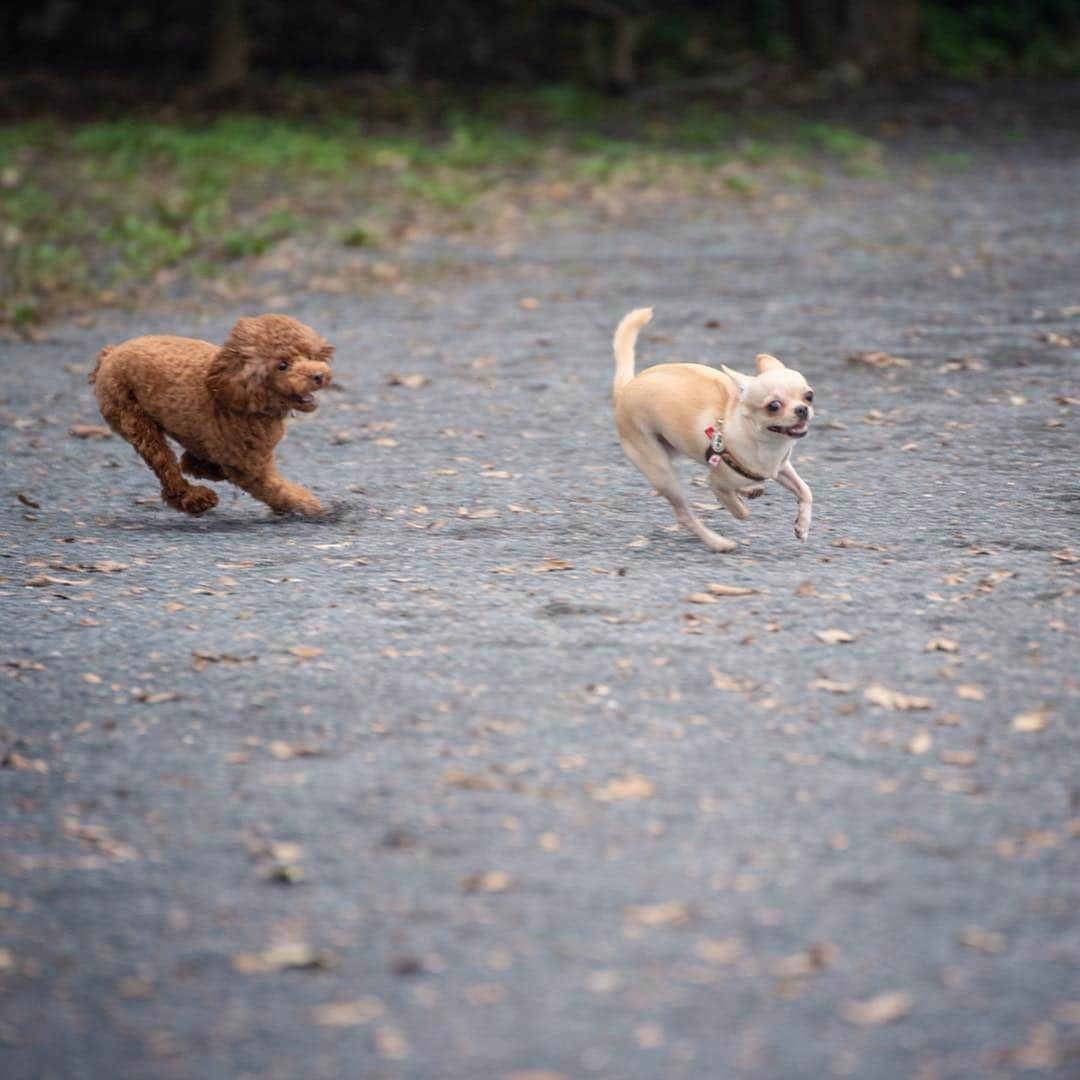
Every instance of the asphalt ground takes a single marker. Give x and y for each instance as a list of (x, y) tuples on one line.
[(477, 778)]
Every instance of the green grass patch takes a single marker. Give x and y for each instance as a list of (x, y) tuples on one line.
[(101, 210)]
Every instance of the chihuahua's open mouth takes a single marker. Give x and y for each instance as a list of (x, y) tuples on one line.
[(795, 431), (304, 402)]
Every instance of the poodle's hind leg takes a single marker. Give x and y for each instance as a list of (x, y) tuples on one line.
[(201, 468), (270, 487), (654, 462), (149, 440)]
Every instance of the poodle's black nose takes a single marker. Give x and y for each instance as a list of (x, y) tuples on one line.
[(318, 381), (802, 412)]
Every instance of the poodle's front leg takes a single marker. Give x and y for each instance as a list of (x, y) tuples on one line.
[(269, 486), (149, 440)]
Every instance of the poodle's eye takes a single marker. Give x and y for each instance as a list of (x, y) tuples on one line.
[(773, 406), (283, 365), (809, 395)]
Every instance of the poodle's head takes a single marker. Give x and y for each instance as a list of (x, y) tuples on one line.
[(270, 364)]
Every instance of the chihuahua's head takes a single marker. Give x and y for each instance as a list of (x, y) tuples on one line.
[(778, 400)]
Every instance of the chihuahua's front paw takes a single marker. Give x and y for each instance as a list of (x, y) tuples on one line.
[(802, 527), (716, 542), (754, 491)]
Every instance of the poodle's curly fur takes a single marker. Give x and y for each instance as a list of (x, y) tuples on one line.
[(225, 406)]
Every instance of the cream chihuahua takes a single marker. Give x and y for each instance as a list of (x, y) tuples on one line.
[(743, 427)]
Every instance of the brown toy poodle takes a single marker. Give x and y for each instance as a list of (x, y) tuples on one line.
[(226, 406)]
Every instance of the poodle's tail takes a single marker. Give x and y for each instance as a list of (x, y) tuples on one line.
[(99, 360), (625, 336)]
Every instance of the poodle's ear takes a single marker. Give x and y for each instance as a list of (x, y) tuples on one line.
[(237, 377), (324, 352), (765, 362)]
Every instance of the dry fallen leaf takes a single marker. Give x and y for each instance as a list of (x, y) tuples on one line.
[(89, 431), (625, 789), (940, 644), (551, 563), (967, 692), (148, 697), (834, 636), (14, 760), (721, 681), (731, 590), (830, 686), (961, 758), (413, 381), (701, 598), (979, 940), (880, 695), (361, 1010), (664, 913), (305, 652), (920, 742), (810, 961), (528, 303), (286, 954), (390, 1042), (880, 1009), (878, 360), (720, 951), (1027, 722), (492, 881), (535, 1074)]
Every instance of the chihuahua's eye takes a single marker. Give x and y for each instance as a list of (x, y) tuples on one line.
[(283, 365), (773, 406), (809, 395)]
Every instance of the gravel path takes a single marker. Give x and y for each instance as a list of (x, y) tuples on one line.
[(462, 784)]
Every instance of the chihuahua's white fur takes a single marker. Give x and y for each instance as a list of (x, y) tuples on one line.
[(665, 410)]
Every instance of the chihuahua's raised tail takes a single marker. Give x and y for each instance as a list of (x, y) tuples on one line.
[(625, 335)]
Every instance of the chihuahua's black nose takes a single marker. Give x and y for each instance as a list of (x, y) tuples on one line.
[(802, 412)]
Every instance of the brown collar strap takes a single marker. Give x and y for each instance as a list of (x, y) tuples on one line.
[(717, 452)]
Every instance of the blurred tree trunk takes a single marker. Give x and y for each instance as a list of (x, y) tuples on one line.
[(881, 35), (229, 47), (628, 26), (885, 35), (818, 26)]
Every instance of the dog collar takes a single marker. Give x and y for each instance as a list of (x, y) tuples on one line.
[(718, 452)]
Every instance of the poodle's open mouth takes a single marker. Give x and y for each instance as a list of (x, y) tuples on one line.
[(304, 402), (795, 431)]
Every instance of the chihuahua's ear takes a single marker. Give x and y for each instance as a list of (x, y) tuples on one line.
[(740, 380), (765, 362)]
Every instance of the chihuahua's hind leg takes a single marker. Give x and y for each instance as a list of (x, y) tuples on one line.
[(732, 501), (653, 461)]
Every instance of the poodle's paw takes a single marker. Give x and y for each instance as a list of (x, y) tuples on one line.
[(303, 503), (194, 500), (200, 467)]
